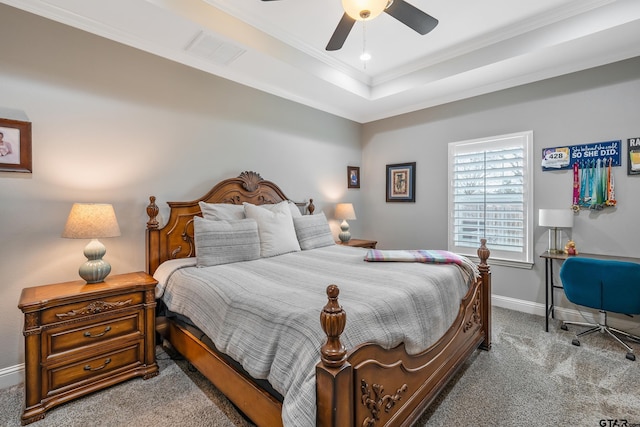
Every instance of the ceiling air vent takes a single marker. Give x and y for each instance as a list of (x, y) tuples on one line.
[(213, 49)]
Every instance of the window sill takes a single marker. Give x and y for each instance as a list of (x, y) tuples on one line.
[(504, 262)]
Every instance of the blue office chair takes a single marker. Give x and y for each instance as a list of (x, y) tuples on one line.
[(604, 285)]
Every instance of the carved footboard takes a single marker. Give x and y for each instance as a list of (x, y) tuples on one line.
[(373, 387)]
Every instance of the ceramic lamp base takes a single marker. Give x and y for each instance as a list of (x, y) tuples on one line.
[(95, 270), (344, 236)]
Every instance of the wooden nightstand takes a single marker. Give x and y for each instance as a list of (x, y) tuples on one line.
[(81, 337), (360, 243)]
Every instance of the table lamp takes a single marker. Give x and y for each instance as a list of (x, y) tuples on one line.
[(92, 221), (345, 211), (555, 219)]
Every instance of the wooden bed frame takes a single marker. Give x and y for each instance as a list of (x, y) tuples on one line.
[(366, 386)]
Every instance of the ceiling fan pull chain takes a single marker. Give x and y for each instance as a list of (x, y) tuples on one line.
[(364, 55)]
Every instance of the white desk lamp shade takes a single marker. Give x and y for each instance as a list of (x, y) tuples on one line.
[(555, 219), (345, 211), (92, 221)]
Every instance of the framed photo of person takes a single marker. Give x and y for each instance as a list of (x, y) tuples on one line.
[(401, 182), (15, 146), (353, 177)]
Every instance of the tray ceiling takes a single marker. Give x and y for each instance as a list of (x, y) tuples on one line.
[(279, 46)]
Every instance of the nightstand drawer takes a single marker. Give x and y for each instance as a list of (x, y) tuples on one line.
[(93, 368), (80, 336), (78, 310)]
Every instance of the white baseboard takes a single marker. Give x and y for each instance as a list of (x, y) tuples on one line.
[(518, 305), (11, 376), (561, 313)]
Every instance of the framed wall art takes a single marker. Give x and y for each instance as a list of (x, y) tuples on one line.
[(353, 177), (15, 146), (401, 182)]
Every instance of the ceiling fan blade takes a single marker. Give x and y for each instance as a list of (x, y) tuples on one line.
[(412, 17), (340, 34)]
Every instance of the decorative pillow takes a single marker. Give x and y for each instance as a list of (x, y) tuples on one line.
[(313, 231), (295, 210), (224, 242), (275, 227), (223, 211)]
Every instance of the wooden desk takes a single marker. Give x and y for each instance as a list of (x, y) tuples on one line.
[(549, 282)]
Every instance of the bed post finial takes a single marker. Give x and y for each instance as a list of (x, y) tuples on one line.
[(152, 211), (483, 253), (333, 320), (485, 275)]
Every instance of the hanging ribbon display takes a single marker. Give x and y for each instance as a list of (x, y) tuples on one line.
[(593, 185), (593, 180)]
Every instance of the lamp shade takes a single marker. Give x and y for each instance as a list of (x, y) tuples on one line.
[(363, 10), (345, 211), (91, 221), (555, 218)]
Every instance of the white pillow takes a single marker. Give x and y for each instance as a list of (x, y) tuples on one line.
[(221, 211), (295, 210), (224, 242), (275, 227), (313, 231)]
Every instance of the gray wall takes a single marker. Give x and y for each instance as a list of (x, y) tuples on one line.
[(113, 124), (592, 106)]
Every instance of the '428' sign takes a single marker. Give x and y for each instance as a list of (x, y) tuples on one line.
[(564, 157)]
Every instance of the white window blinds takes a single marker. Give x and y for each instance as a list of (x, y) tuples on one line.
[(490, 196)]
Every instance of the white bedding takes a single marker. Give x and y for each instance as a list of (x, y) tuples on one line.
[(265, 313)]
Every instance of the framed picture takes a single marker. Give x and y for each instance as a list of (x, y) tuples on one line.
[(15, 146), (353, 177), (401, 182)]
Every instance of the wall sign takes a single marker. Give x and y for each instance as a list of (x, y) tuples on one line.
[(585, 154), (633, 162)]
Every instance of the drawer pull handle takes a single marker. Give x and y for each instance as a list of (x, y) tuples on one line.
[(88, 334), (89, 368)]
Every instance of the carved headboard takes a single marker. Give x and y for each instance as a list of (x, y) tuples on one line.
[(175, 239)]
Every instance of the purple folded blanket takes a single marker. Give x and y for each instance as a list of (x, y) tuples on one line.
[(419, 255)]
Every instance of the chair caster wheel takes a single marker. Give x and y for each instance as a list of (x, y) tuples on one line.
[(564, 327), (631, 356), (576, 343)]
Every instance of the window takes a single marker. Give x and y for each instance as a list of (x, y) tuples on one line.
[(491, 197)]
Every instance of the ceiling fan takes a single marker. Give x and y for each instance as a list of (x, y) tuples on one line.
[(366, 10)]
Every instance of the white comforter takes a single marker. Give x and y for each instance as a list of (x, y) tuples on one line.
[(265, 313)]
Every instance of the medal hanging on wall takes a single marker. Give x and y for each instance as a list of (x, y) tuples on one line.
[(611, 193), (576, 188)]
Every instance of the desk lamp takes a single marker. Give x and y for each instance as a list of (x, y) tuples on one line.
[(92, 221), (345, 211), (555, 219)]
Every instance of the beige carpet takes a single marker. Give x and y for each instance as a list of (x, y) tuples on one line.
[(529, 378)]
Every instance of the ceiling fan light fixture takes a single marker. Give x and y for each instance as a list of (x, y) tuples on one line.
[(364, 10)]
